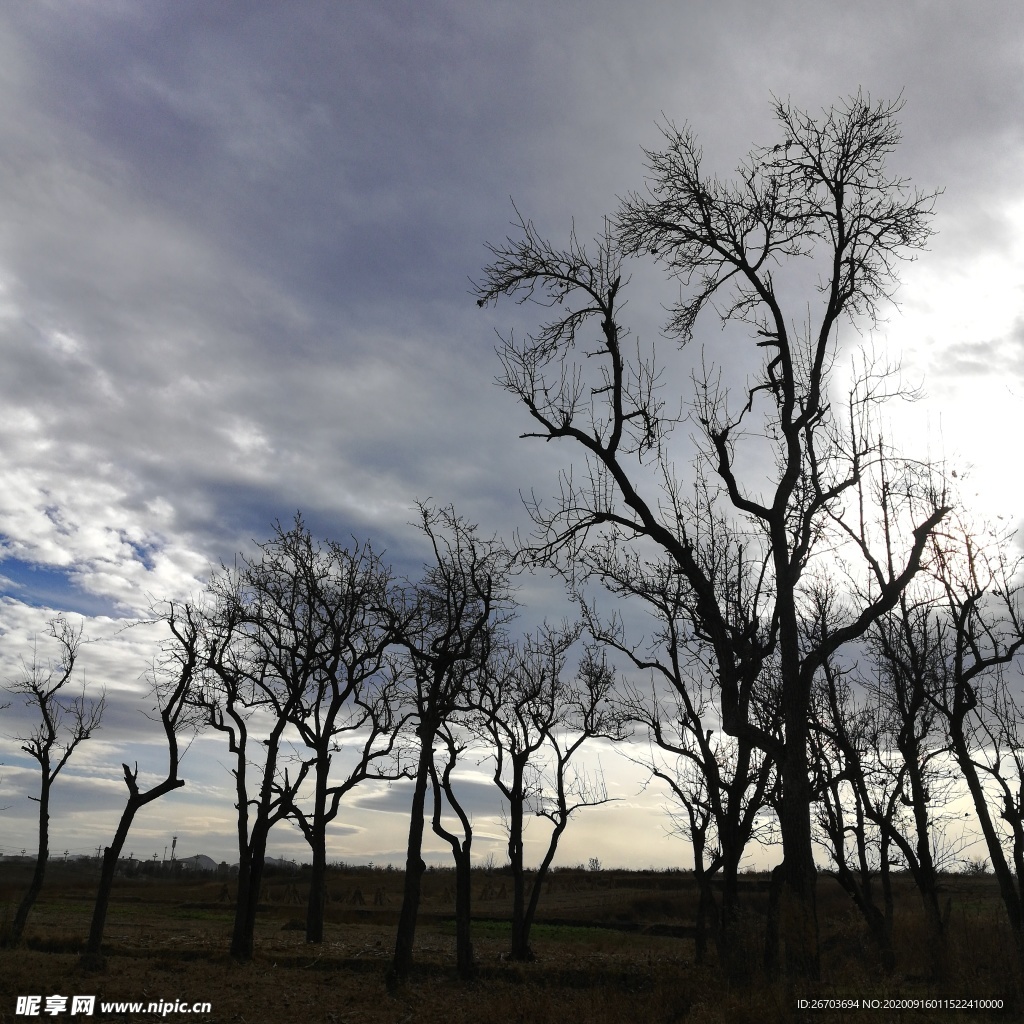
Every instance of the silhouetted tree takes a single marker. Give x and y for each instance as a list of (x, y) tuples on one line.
[(858, 799), (782, 455), (519, 700), (996, 736), (722, 782), (897, 765), (580, 711), (978, 630), (328, 611), (448, 622), (64, 722), (906, 662), (241, 694), (527, 704), (461, 844), (171, 689)]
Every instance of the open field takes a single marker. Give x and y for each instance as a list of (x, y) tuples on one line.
[(611, 946)]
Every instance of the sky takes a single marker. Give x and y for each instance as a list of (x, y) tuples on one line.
[(237, 243)]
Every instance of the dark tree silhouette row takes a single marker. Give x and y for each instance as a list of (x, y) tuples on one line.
[(831, 643), (786, 541), (321, 670)]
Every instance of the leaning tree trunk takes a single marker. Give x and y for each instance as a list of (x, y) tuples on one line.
[(92, 958), (414, 867), (136, 801), (538, 881), (1000, 868), (42, 856)]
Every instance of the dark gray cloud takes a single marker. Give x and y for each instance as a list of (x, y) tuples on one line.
[(236, 243)]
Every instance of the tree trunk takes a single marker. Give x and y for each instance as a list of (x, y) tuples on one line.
[(111, 855), (247, 904), (538, 881), (888, 953), (925, 876), (771, 937), (937, 951), (879, 923), (463, 905), (43, 854), (793, 921), (731, 954), (705, 908), (414, 868), (1004, 875), (520, 940), (797, 908), (318, 872)]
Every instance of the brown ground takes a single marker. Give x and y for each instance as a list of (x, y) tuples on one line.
[(611, 947)]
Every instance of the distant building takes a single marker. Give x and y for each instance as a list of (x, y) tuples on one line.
[(200, 862)]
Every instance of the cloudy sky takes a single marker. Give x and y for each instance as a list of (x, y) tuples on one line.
[(236, 244)]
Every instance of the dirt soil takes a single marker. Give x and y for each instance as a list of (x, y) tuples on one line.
[(610, 947)]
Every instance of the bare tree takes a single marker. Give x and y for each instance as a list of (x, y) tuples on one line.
[(724, 783), (243, 698), (526, 704), (172, 687), (995, 734), (581, 711), (64, 722), (978, 628), (461, 844), (447, 625), (858, 799), (907, 668), (821, 194), (519, 701), (328, 611), (372, 724)]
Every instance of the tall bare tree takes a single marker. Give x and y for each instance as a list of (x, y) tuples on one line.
[(535, 718), (907, 662), (444, 791), (63, 723), (782, 454), (858, 799), (978, 628), (448, 623), (243, 698), (723, 783), (326, 613)]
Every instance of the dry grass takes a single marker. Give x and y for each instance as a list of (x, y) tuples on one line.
[(603, 955)]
